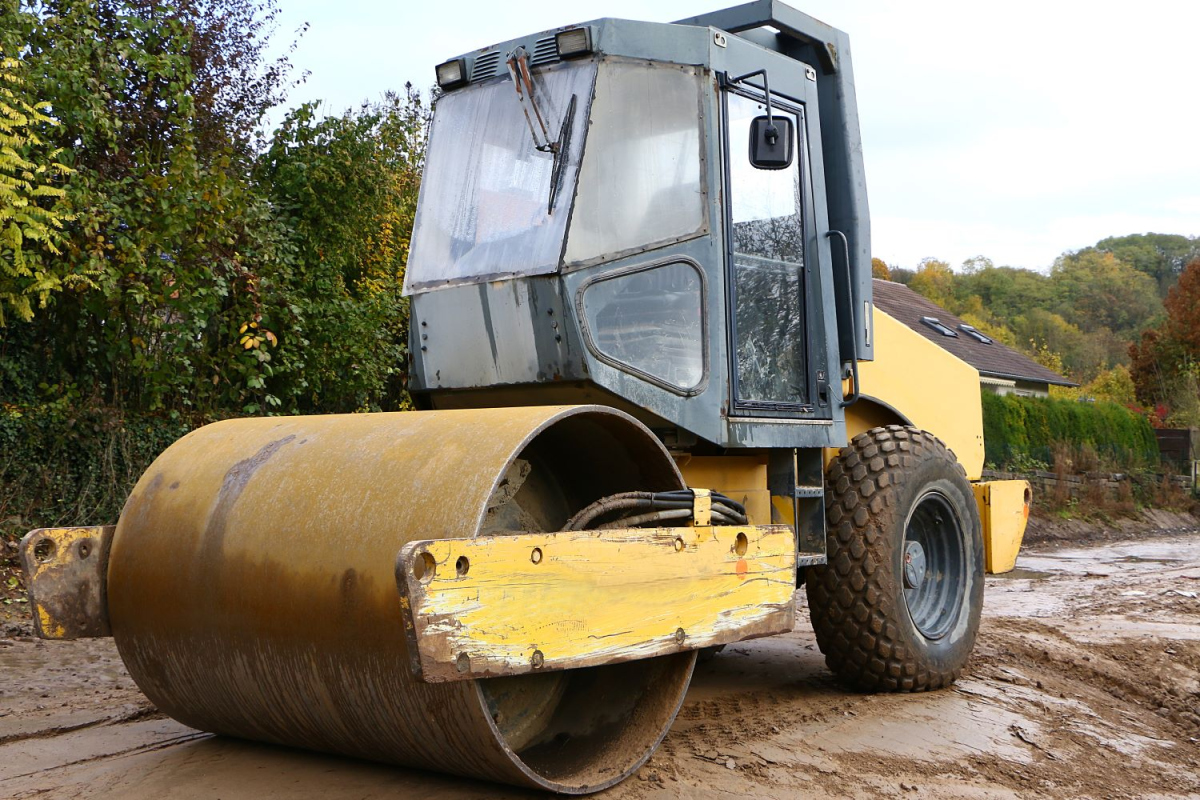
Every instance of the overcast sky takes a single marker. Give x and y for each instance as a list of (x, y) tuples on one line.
[(1015, 130)]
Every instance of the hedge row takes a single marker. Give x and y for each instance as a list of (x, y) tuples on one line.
[(1030, 427), (61, 466)]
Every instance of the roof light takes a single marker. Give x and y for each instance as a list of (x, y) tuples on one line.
[(938, 326), (574, 42), (974, 333), (452, 74)]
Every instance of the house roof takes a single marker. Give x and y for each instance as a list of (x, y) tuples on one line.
[(992, 360)]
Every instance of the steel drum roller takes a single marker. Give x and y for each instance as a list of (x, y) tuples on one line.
[(251, 588)]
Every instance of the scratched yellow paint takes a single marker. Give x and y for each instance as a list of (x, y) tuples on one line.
[(49, 627), (1004, 512), (65, 552), (63, 539), (592, 597)]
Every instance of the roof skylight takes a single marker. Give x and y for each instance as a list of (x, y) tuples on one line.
[(974, 333), (937, 326)]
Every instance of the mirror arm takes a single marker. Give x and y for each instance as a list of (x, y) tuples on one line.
[(772, 132)]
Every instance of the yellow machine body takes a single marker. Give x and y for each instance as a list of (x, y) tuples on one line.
[(912, 381), (742, 477), (64, 563)]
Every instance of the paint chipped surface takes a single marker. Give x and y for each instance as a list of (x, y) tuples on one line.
[(64, 570), (593, 597)]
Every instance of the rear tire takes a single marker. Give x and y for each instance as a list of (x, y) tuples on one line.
[(897, 606)]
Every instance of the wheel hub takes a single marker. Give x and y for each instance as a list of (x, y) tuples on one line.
[(933, 563), (914, 565)]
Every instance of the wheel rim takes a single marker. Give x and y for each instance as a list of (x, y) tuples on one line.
[(933, 565)]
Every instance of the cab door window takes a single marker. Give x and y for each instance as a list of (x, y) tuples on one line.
[(767, 276)]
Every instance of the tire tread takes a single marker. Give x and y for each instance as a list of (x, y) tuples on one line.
[(850, 599)]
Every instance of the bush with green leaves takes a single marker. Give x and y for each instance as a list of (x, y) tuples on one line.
[(222, 271), (204, 268), (33, 208), (345, 188), (64, 464), (175, 244), (1026, 430)]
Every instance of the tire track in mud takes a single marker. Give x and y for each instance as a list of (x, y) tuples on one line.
[(145, 712), (1076, 688), (1104, 712)]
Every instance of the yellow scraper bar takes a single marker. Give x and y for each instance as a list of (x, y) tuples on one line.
[(513, 604)]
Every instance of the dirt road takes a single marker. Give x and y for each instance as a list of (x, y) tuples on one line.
[(1085, 682)]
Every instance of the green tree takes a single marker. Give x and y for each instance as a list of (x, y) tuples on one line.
[(1112, 385), (935, 280), (977, 264), (346, 188), (1084, 355), (1007, 292), (181, 248), (1161, 256), (33, 209), (1096, 290)]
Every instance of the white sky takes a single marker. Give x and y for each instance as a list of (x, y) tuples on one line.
[(1014, 130)]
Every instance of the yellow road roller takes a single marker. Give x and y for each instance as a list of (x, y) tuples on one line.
[(654, 399)]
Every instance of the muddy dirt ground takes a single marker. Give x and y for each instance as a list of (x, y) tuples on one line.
[(1085, 682)]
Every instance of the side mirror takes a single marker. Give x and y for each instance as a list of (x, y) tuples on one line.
[(772, 141), (771, 138)]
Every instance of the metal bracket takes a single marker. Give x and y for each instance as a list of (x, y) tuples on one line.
[(66, 572), (518, 68), (701, 506), (766, 93)]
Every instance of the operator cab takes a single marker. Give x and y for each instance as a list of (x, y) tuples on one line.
[(628, 213)]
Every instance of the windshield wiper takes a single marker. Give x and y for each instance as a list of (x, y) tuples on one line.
[(518, 68), (561, 147)]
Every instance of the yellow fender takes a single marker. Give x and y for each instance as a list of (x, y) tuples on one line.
[(912, 381)]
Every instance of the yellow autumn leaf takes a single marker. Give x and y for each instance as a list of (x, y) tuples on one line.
[(243, 328), (248, 343)]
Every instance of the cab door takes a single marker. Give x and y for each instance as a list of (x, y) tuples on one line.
[(768, 270)]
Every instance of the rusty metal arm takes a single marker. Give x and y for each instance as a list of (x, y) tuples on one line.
[(518, 68)]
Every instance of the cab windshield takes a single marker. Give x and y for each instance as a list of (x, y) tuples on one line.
[(491, 203)]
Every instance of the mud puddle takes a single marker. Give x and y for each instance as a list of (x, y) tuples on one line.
[(1085, 682)]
